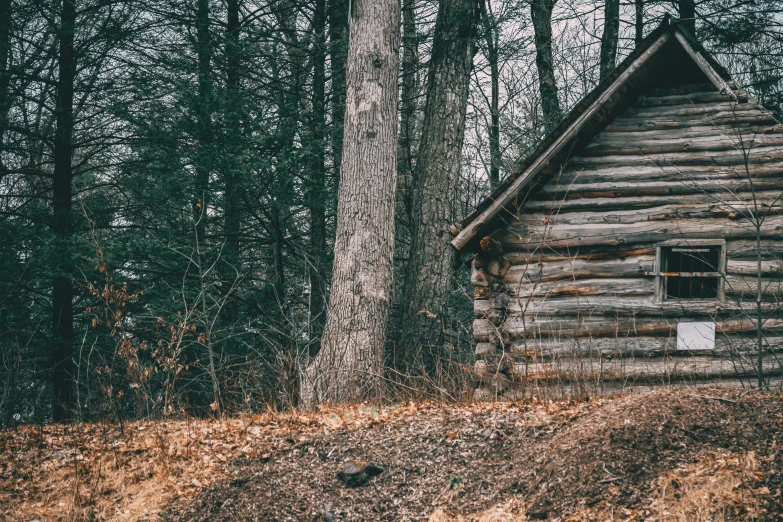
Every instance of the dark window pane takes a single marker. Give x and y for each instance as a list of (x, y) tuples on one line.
[(691, 259), (692, 287), (685, 259)]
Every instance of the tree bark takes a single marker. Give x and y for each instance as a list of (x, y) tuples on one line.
[(317, 190), (287, 364), (491, 38), (203, 168), (408, 101), (349, 363), (431, 261), (292, 79), (687, 10), (541, 11), (609, 37), (338, 52), (231, 221), (5, 73), (639, 24), (63, 367), (204, 136)]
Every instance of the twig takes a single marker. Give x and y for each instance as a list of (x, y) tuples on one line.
[(612, 479)]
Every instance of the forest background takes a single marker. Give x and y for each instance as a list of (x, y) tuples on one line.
[(169, 175)]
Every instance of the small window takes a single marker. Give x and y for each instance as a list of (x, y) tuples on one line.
[(690, 271)]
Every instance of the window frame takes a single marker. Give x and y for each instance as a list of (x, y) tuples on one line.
[(660, 278)]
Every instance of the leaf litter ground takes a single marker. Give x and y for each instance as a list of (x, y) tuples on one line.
[(687, 454)]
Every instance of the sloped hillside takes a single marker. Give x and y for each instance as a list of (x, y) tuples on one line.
[(689, 454)]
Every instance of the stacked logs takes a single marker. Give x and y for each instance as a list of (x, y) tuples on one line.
[(493, 365), (566, 291)]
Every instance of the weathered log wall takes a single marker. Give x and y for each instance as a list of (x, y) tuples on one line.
[(564, 291)]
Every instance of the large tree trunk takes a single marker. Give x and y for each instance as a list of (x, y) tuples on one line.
[(609, 37), (316, 189), (491, 36), (541, 11), (431, 262), (63, 367), (348, 365)]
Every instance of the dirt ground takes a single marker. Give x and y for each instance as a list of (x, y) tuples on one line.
[(610, 458), (688, 454)]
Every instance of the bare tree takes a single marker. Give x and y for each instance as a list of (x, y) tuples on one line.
[(62, 224), (430, 265), (756, 208), (349, 363), (338, 48), (639, 22), (316, 189), (5, 73), (409, 92), (541, 11), (231, 221), (491, 39), (203, 115), (687, 11), (609, 37)]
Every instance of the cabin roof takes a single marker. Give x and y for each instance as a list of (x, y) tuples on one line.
[(668, 56)]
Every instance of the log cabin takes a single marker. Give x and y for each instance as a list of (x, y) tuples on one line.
[(641, 241)]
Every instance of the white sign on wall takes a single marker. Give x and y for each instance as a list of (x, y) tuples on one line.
[(696, 336)]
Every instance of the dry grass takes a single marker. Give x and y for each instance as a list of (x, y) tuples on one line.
[(509, 512), (722, 488), (130, 473), (134, 473), (717, 489), (98, 472)]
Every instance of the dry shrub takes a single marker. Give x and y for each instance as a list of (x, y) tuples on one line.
[(717, 489)]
